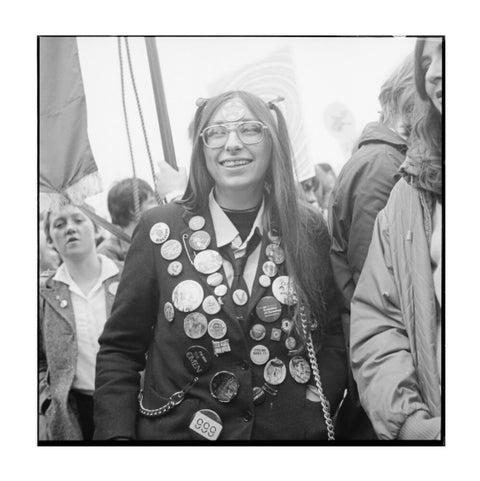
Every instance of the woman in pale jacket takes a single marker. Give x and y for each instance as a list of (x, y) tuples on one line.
[(395, 325)]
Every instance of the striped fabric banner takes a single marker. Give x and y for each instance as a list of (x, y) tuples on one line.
[(268, 78)]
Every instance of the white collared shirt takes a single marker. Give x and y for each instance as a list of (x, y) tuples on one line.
[(226, 233), (90, 316)]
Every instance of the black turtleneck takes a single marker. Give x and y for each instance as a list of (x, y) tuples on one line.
[(242, 219)]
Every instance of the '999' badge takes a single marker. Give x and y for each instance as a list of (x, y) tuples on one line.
[(206, 424)]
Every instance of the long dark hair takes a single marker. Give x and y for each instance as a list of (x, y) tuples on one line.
[(285, 213), (426, 139)]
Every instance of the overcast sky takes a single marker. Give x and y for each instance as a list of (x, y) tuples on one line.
[(348, 71)]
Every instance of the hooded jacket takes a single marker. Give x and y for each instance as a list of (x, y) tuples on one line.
[(361, 191), (394, 322)]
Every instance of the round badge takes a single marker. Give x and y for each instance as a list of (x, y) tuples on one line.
[(224, 386), (287, 325), (299, 369), (264, 280), (197, 222), (63, 303), (208, 262), (175, 268), (268, 309), (112, 288), (290, 343), (159, 233), (171, 249), (217, 328), (275, 372), (195, 325), (169, 311), (211, 305), (215, 279), (220, 290), (197, 360), (187, 296), (275, 253), (199, 240), (270, 269), (274, 237), (257, 332), (240, 297), (259, 354), (283, 290), (258, 395)]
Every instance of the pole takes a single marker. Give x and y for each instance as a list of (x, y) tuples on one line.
[(160, 102)]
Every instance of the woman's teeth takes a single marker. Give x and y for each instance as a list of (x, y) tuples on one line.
[(235, 163)]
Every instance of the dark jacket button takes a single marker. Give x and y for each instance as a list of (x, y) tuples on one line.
[(244, 365), (247, 416)]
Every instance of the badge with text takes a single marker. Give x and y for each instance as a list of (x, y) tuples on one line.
[(187, 296), (219, 347), (220, 290), (195, 325), (159, 233), (171, 249), (224, 386), (259, 354), (197, 360), (208, 262), (275, 371), (268, 309), (206, 424)]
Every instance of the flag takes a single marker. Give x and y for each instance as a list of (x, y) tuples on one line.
[(67, 166), (269, 78)]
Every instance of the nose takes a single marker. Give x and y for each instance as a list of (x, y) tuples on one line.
[(233, 143), (70, 228)]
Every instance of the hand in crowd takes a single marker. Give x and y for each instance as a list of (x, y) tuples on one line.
[(170, 182)]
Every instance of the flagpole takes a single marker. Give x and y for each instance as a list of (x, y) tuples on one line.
[(160, 102)]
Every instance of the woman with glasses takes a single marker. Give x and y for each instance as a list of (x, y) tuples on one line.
[(395, 332), (227, 300)]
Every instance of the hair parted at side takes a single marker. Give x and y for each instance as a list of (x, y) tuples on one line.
[(120, 201), (285, 213), (426, 139), (397, 95)]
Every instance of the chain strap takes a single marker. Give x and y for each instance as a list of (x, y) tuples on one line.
[(175, 399), (316, 375)]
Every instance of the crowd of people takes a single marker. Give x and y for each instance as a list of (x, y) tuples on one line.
[(249, 306)]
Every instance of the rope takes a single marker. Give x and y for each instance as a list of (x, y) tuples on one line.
[(147, 144), (136, 196)]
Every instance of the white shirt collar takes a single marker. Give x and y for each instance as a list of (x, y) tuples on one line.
[(108, 269), (225, 231)]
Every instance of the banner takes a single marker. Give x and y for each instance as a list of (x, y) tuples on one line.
[(67, 166), (268, 78)]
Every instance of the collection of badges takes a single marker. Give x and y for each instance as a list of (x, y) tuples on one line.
[(188, 296)]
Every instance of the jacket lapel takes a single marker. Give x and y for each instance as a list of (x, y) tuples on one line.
[(57, 295)]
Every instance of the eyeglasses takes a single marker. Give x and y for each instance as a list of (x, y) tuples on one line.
[(249, 132)]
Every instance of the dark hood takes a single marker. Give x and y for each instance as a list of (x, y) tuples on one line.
[(378, 133)]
